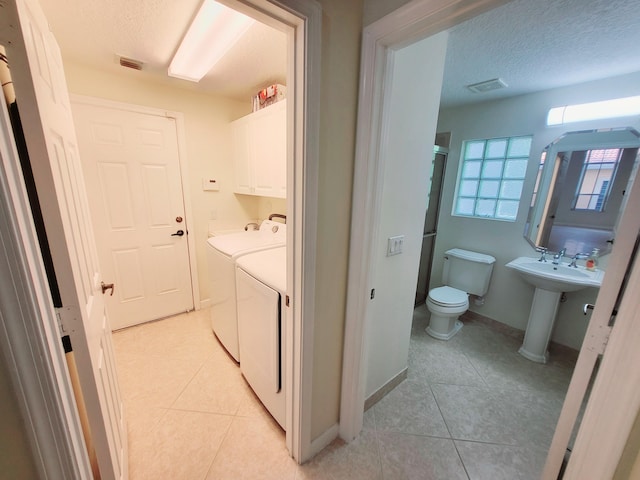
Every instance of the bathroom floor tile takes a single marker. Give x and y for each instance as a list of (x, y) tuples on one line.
[(478, 338), (433, 361), (534, 416), (418, 457), (511, 370), (475, 413), (410, 408), (484, 461)]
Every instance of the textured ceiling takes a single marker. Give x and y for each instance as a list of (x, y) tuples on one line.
[(536, 45), (531, 44), (96, 32)]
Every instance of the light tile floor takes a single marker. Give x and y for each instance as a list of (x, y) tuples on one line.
[(471, 408)]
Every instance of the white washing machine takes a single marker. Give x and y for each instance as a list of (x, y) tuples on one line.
[(261, 282), (222, 253)]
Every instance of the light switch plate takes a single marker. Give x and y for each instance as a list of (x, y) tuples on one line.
[(395, 245)]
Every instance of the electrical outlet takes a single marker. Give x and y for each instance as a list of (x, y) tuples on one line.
[(395, 245)]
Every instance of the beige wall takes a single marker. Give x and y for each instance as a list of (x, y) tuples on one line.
[(376, 9), (341, 31), (208, 145)]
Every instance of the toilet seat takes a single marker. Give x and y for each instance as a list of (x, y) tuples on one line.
[(448, 297)]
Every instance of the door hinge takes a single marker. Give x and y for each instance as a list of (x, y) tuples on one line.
[(67, 317), (373, 293), (61, 326)]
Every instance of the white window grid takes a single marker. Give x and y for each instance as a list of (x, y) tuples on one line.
[(598, 171), (491, 177)]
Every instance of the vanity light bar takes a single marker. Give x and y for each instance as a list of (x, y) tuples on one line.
[(213, 32), (618, 107)]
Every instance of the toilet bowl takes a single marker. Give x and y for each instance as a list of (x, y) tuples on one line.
[(446, 304), (465, 273)]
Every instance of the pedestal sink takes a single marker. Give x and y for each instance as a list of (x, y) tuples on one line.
[(550, 281)]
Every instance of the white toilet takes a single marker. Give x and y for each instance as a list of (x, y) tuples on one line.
[(465, 273)]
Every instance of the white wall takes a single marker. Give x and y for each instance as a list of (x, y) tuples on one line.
[(208, 144), (509, 298), (407, 152)]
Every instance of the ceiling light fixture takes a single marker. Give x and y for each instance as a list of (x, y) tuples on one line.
[(213, 32), (618, 107)]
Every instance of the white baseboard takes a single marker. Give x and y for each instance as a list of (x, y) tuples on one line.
[(323, 440), (206, 303)]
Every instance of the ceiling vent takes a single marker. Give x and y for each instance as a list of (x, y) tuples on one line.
[(130, 63), (487, 85)]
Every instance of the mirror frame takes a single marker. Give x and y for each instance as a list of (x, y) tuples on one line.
[(551, 172)]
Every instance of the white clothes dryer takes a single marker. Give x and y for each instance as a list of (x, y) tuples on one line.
[(261, 282), (222, 253)]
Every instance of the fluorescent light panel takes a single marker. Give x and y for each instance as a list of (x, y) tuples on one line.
[(213, 32), (619, 107)]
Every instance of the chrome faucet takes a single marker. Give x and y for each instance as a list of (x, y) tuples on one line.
[(557, 258), (543, 253), (577, 256)]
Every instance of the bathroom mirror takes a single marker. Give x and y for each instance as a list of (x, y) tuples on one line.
[(580, 190)]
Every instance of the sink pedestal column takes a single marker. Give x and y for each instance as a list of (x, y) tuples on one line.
[(541, 320)]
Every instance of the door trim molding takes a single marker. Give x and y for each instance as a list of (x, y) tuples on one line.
[(184, 170), (408, 24), (29, 337)]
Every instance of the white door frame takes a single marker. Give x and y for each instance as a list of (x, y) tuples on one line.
[(410, 23), (184, 171), (40, 378)]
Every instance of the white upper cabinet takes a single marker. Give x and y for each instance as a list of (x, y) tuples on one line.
[(260, 152)]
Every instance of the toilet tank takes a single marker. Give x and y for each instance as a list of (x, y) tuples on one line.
[(467, 271)]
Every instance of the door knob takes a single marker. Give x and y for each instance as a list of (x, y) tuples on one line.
[(179, 233), (107, 286)]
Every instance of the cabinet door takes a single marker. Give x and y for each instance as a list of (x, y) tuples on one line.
[(241, 139), (269, 151)]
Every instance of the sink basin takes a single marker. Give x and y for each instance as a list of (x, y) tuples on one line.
[(550, 281), (555, 278)]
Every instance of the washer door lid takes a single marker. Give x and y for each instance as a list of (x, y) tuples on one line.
[(448, 297)]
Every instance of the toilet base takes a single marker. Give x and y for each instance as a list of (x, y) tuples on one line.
[(439, 327)]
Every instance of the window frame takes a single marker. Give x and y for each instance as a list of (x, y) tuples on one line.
[(490, 181), (586, 163)]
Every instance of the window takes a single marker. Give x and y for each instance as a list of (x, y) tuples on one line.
[(598, 170), (491, 177)]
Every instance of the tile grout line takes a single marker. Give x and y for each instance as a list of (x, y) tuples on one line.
[(224, 438), (448, 430), (375, 432)]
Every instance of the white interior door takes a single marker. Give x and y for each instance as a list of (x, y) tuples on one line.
[(43, 101), (131, 166)]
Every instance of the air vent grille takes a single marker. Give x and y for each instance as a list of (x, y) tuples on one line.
[(487, 85), (130, 63)]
